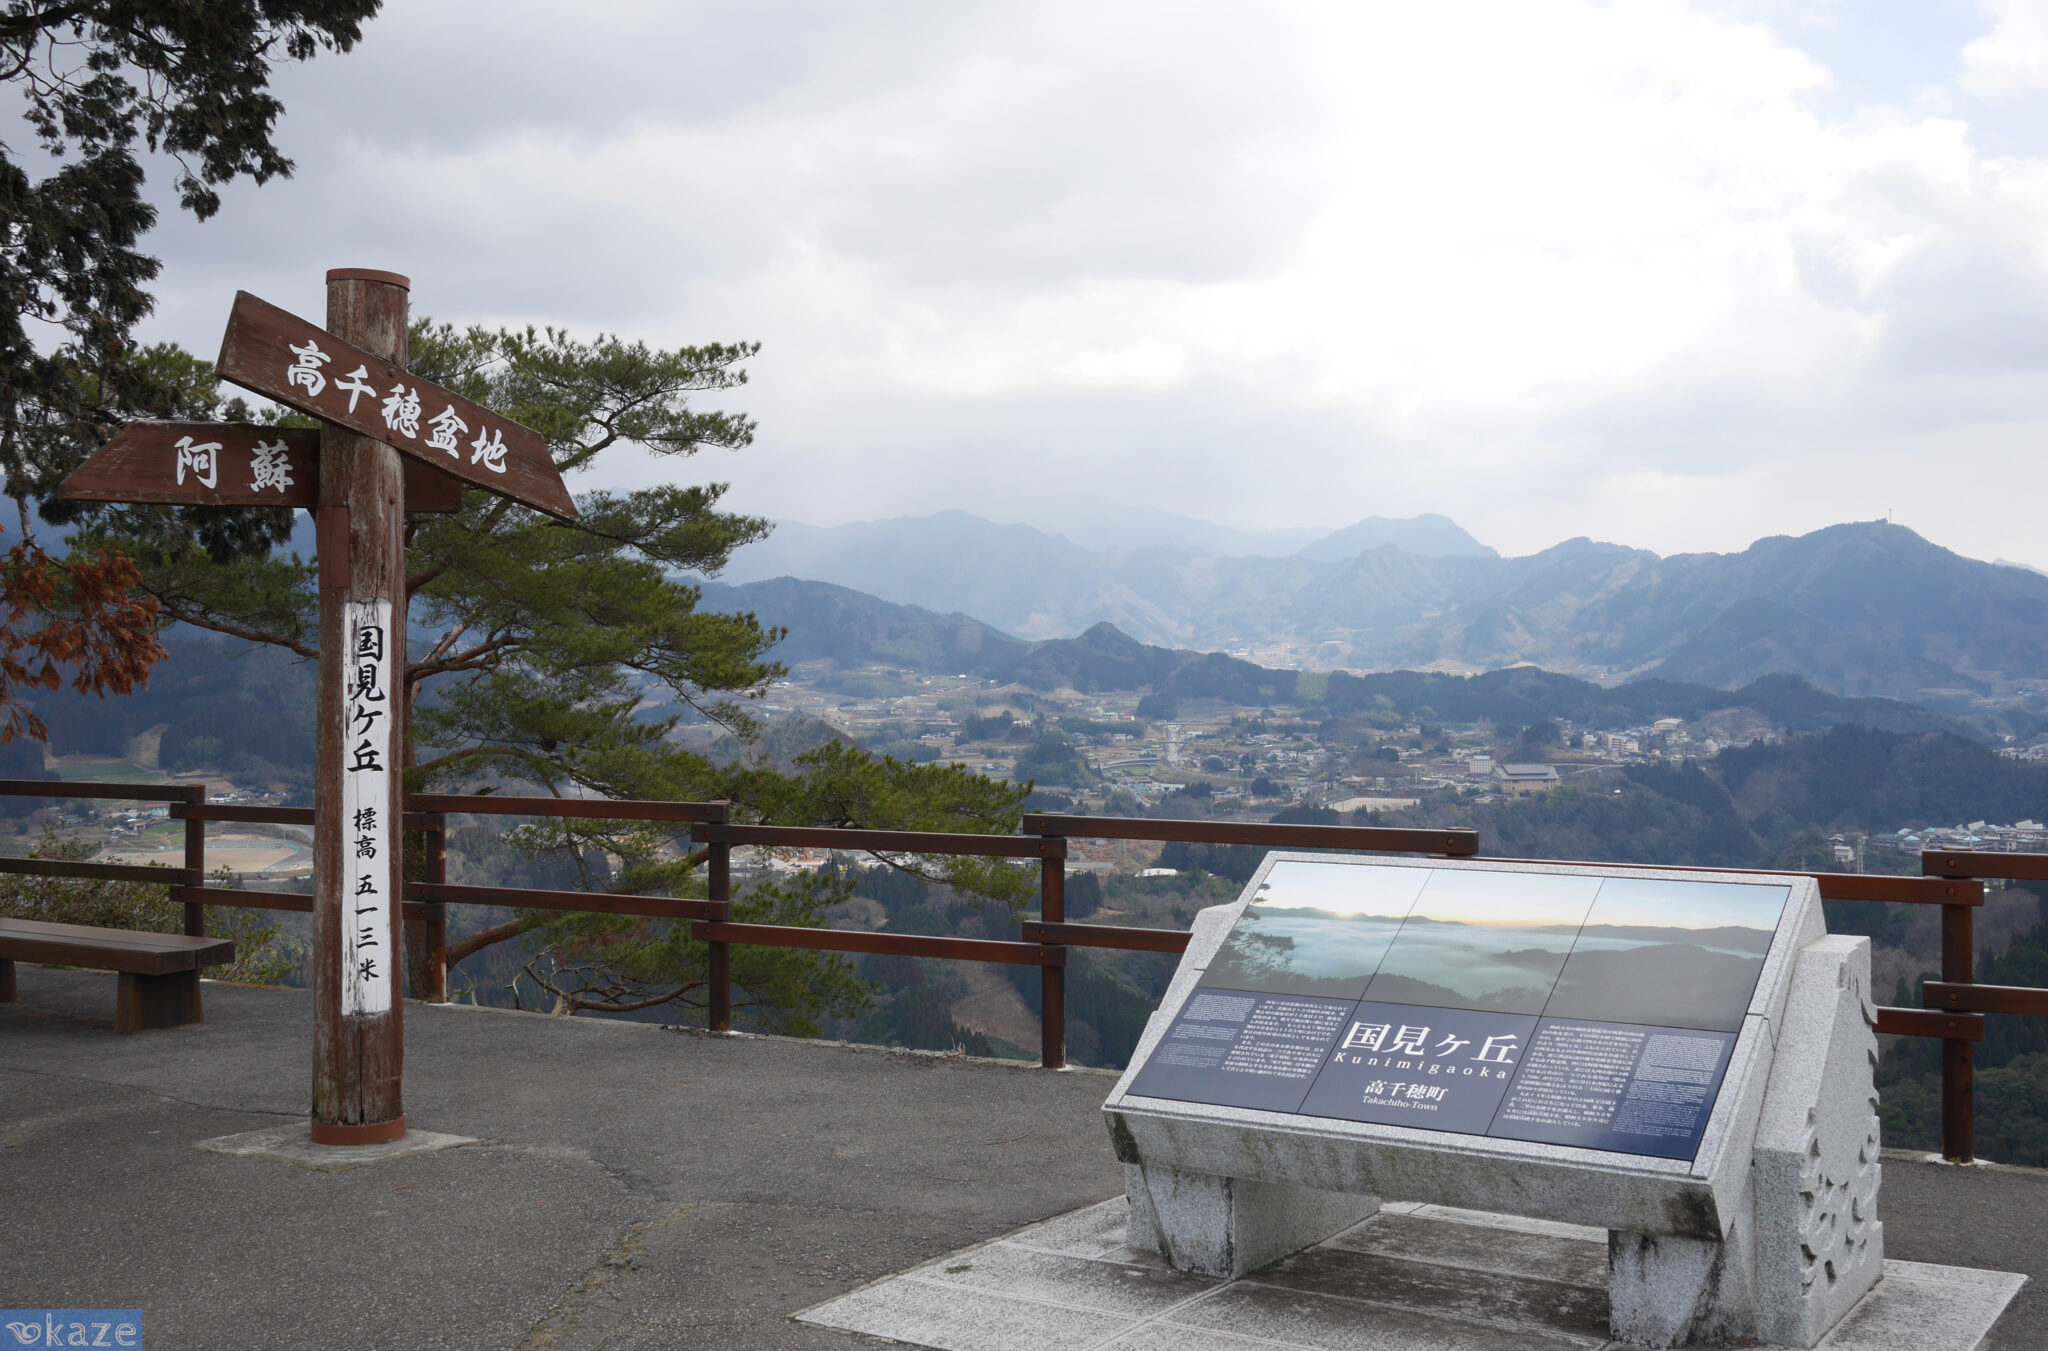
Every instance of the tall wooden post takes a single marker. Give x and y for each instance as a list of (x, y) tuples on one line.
[(351, 376), (358, 863), (426, 926), (1052, 980), (1958, 1056), (718, 976), (195, 860)]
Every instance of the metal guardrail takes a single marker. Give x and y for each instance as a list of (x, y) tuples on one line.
[(1954, 1007)]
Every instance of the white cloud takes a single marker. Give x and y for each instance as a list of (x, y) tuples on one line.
[(1549, 267), (2014, 55)]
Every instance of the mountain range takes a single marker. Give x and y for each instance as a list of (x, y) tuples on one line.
[(1865, 608), (850, 629)]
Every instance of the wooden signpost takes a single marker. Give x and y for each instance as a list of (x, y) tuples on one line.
[(388, 443), (282, 357), (233, 464)]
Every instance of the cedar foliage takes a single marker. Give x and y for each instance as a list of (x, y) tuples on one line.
[(96, 80)]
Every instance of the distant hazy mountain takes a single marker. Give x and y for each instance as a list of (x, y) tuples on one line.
[(1428, 536), (1012, 576), (852, 629), (1103, 529), (1865, 608), (1020, 578)]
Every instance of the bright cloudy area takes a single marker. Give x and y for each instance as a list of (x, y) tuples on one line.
[(1673, 275)]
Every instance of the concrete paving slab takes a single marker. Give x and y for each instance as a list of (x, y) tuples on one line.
[(1475, 1248), (1178, 1337), (1518, 1304), (293, 1145), (1919, 1307), (923, 1313), (1988, 1219), (1518, 1223), (1097, 1231), (1275, 1313), (1433, 1284), (1099, 1285)]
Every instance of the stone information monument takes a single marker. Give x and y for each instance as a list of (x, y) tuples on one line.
[(1681, 1058)]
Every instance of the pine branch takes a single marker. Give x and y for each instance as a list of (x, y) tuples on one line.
[(199, 621), (497, 933)]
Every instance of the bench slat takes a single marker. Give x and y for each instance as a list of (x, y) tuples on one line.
[(130, 950)]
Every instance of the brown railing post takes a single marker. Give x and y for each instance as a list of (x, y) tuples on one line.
[(426, 939), (195, 860), (1958, 1056), (718, 872), (1052, 980)]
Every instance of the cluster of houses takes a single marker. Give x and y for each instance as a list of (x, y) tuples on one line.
[(2021, 837)]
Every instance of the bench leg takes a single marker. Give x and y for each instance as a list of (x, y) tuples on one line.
[(146, 1002), (8, 994)]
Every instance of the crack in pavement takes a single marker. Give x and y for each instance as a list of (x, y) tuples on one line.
[(148, 1092), (569, 1310)]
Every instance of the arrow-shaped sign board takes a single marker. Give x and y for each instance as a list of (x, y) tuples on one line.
[(229, 464), (299, 364)]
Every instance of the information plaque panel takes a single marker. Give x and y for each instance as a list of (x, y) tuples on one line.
[(1552, 1007)]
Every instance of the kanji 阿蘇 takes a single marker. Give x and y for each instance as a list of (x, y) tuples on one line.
[(203, 460), (269, 467)]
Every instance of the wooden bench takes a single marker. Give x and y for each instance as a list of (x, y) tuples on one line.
[(159, 972)]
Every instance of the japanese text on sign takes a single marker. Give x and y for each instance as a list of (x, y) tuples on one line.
[(401, 409), (368, 751)]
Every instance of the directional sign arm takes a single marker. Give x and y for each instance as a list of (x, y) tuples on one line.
[(229, 464), (301, 365)]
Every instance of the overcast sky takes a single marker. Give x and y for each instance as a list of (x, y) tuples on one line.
[(1673, 275)]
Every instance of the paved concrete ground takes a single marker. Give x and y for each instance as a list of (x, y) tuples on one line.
[(637, 1188), (634, 1188)]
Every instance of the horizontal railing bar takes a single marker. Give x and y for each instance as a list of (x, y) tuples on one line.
[(269, 816), (1969, 863), (99, 872), (1930, 1023), (1833, 886), (894, 945), (1384, 839), (1966, 997), (248, 899), (882, 841), (589, 902), (491, 804), (1906, 890), (259, 816), (137, 792), (1107, 936)]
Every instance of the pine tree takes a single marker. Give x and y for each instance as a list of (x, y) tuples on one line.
[(566, 656)]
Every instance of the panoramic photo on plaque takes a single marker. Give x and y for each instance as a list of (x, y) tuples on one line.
[(1599, 1012)]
